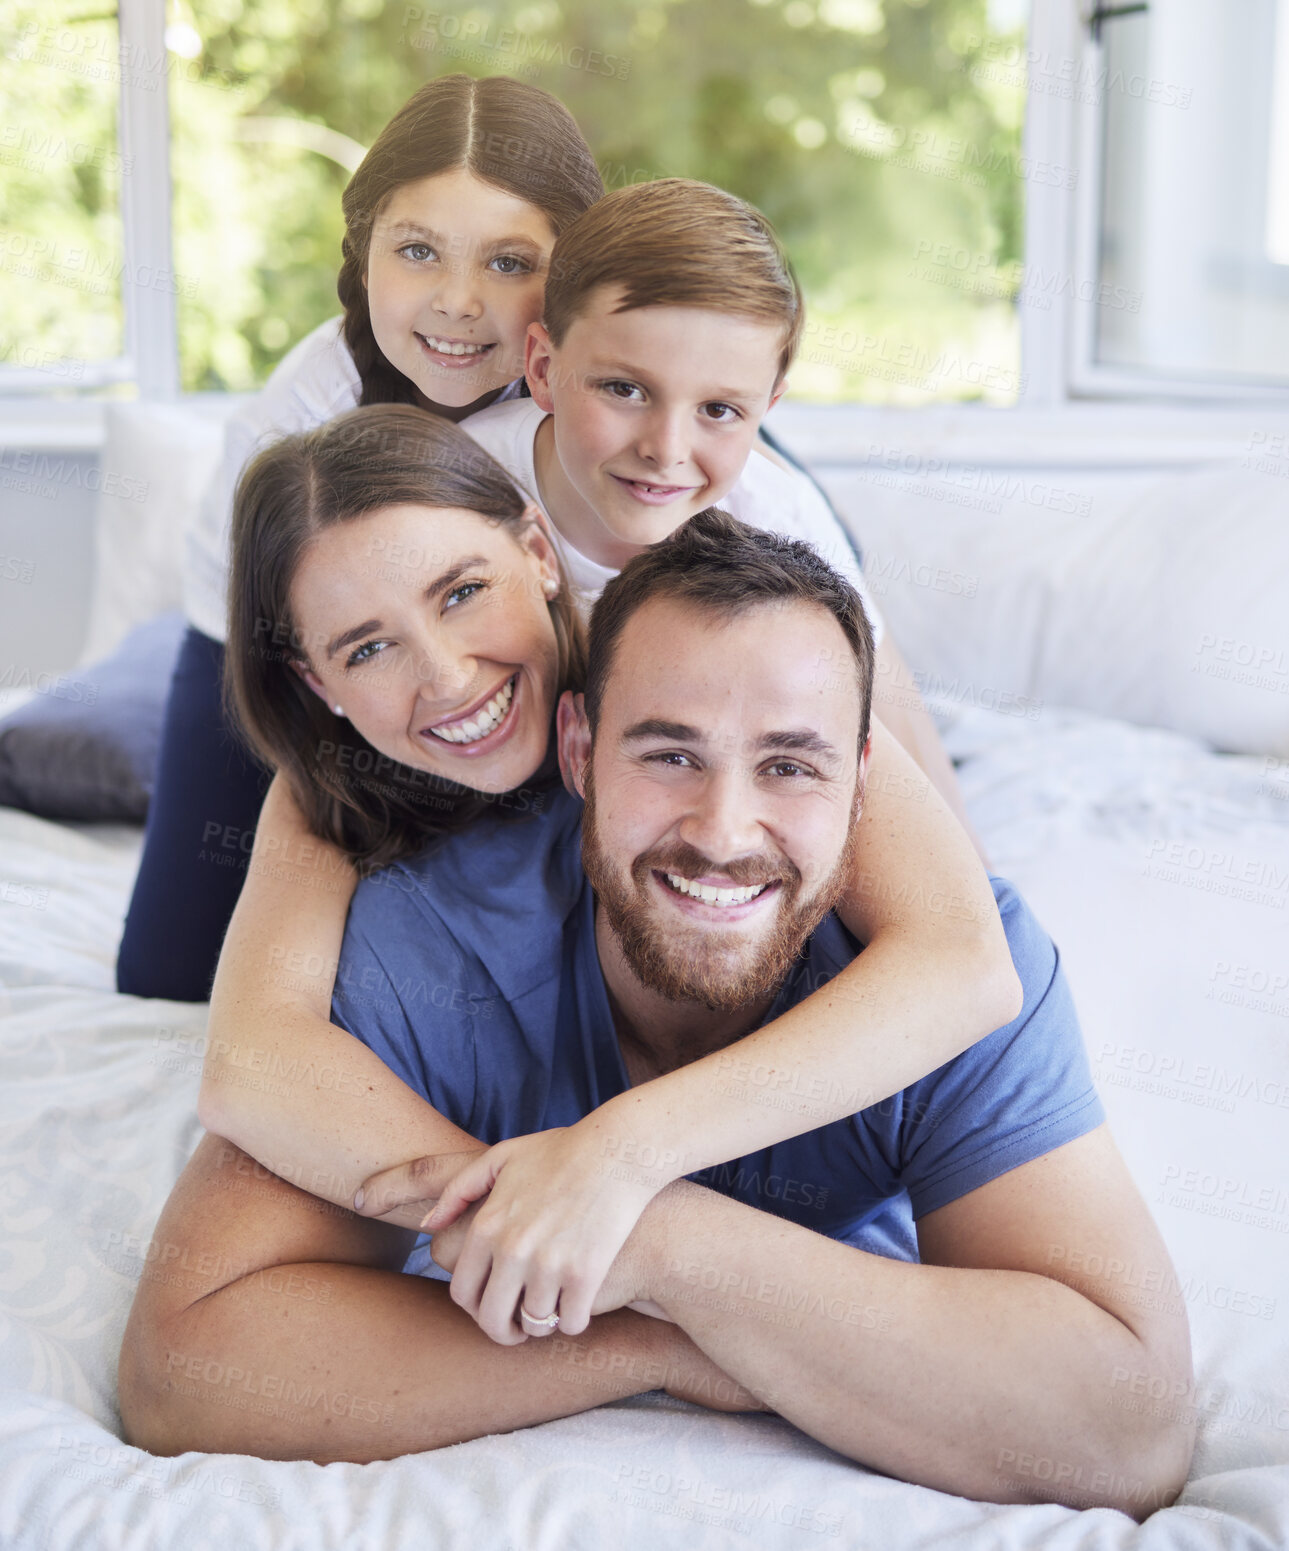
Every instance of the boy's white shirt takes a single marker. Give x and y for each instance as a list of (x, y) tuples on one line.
[(313, 383), (765, 495)]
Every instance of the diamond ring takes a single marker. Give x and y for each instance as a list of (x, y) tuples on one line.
[(547, 1322)]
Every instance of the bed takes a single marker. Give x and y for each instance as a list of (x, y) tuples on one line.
[(1160, 867)]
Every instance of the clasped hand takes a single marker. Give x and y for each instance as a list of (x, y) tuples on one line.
[(537, 1221)]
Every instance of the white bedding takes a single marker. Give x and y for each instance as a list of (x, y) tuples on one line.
[(1132, 846)]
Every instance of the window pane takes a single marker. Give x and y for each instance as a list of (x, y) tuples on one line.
[(1196, 111), (882, 137), (61, 255)]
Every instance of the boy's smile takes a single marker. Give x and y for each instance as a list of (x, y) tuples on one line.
[(653, 414)]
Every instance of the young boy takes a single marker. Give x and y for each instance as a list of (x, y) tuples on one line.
[(671, 318)]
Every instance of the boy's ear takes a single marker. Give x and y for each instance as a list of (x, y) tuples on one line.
[(781, 387), (573, 739), (537, 366)]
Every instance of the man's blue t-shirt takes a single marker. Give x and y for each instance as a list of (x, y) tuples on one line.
[(472, 972)]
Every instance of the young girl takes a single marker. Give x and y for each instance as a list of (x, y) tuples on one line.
[(449, 224), (399, 637)]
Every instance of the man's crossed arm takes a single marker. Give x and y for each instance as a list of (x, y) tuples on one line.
[(1014, 1364)]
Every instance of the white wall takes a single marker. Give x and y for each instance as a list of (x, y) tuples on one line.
[(47, 504)]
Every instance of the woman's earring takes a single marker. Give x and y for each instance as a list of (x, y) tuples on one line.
[(337, 710), (550, 587)]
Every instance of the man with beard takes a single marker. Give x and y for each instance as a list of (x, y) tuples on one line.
[(721, 752), (946, 1286)]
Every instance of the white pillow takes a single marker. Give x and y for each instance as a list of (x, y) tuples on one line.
[(1162, 601), (157, 460)]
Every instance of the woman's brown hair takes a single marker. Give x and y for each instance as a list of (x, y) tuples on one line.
[(374, 807), (507, 133)]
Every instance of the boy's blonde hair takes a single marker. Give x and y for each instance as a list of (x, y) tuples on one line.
[(675, 243)]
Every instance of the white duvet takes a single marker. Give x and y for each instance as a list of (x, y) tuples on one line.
[(1162, 872)]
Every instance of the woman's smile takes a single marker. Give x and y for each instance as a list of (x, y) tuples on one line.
[(482, 726)]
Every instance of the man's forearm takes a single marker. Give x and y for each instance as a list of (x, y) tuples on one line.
[(938, 1375), (266, 1321)]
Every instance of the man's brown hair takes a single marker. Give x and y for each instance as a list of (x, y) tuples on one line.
[(723, 567), (675, 243)]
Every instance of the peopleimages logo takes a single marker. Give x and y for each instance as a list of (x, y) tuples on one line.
[(433, 29)]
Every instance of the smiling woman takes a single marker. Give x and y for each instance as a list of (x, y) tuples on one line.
[(454, 664), (398, 634)]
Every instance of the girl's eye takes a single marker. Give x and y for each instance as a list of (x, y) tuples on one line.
[(464, 591), (418, 252), (511, 264), (621, 390), (721, 412), (363, 653)]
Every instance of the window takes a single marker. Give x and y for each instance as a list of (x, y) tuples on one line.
[(86, 286), (61, 255), (1170, 259), (888, 159), (1194, 197), (876, 134)]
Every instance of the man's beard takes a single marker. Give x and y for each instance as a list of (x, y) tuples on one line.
[(720, 970)]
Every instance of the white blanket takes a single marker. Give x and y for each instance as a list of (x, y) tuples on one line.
[(1162, 872)]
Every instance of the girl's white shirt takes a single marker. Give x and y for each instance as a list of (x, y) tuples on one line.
[(765, 495), (316, 381)]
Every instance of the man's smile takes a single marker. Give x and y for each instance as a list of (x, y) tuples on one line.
[(713, 897)]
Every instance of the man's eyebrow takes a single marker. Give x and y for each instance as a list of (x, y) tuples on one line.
[(441, 584), (793, 740), (797, 740), (659, 727)]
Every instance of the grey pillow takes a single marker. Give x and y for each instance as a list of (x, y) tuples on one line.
[(86, 746)]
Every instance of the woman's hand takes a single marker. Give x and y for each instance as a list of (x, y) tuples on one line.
[(550, 1228)]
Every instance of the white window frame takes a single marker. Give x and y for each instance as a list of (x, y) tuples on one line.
[(1062, 232), (151, 323), (1058, 371), (150, 359)]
